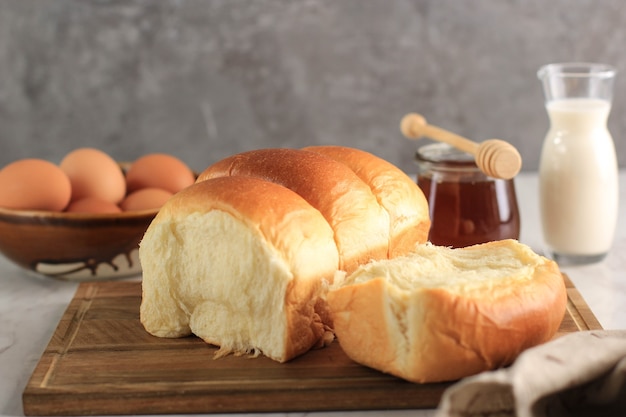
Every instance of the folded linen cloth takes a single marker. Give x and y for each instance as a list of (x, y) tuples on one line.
[(580, 374)]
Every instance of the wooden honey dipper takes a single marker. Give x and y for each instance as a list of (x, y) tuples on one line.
[(494, 157)]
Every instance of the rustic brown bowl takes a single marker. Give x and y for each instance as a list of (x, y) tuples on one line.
[(74, 246)]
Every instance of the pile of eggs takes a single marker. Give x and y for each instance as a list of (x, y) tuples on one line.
[(88, 180)]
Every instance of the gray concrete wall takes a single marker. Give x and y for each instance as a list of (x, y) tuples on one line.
[(205, 79)]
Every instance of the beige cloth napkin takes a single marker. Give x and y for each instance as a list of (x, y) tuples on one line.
[(580, 374)]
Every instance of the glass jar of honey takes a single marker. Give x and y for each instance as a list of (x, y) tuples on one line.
[(466, 206)]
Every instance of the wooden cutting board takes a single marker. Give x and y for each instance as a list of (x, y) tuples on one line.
[(100, 361)]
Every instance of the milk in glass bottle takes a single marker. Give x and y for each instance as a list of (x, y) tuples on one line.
[(578, 172)]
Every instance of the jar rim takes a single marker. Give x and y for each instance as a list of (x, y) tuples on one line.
[(442, 153), (577, 70)]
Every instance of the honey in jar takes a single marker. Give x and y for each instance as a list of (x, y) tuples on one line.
[(466, 206)]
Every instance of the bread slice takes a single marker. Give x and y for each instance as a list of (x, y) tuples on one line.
[(440, 314), (242, 264)]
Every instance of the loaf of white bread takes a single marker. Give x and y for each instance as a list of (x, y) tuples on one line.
[(243, 257), (247, 260)]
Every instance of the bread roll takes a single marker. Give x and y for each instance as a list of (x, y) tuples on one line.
[(441, 314), (347, 203), (240, 263), (395, 191)]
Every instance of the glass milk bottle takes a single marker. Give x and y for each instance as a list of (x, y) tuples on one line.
[(578, 168)]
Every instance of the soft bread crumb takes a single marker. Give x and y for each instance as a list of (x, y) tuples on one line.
[(431, 266), (234, 308)]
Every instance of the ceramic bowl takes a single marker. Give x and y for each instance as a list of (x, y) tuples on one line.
[(74, 246)]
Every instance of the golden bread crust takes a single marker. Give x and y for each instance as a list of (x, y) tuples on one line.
[(395, 191)]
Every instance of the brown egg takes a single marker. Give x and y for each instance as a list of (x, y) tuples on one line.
[(93, 173), (92, 205), (146, 198), (159, 171), (34, 184)]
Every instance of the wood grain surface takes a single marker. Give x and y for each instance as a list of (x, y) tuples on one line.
[(100, 361)]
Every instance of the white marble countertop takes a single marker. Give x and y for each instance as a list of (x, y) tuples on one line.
[(31, 307)]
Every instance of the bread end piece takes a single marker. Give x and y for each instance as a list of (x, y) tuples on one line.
[(441, 314), (229, 260)]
